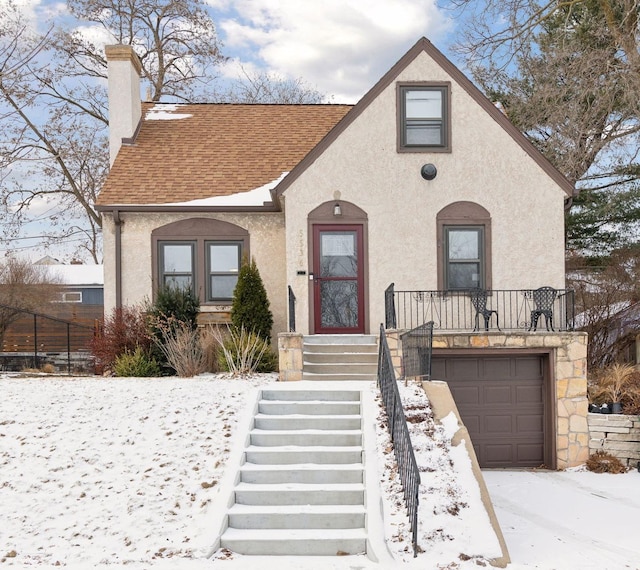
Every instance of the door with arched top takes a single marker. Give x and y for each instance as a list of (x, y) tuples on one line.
[(338, 279)]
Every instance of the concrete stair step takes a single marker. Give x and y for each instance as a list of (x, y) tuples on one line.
[(311, 395), (299, 494), (305, 438), (281, 408), (345, 357), (341, 368), (290, 542), (338, 377), (297, 517), (340, 339), (301, 422), (304, 473), (309, 348), (292, 456)]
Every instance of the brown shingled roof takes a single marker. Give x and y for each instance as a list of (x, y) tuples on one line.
[(220, 149)]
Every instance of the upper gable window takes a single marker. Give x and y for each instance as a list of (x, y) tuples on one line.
[(423, 117)]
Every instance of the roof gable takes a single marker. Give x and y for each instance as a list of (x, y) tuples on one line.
[(424, 45)]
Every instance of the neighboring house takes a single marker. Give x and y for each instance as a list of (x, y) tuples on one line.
[(80, 302), (423, 183)]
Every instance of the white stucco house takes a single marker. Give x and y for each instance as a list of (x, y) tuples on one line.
[(388, 211)]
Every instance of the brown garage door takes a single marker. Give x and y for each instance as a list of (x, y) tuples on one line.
[(501, 402)]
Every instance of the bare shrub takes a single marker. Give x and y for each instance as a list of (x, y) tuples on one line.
[(245, 352), (181, 346), (124, 330), (211, 348), (611, 383), (603, 462), (24, 287)]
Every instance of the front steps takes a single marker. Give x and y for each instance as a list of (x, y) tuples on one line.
[(301, 487), (340, 357)]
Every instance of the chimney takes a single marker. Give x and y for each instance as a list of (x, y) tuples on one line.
[(125, 108)]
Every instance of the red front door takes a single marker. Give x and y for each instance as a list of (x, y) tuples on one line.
[(338, 284)]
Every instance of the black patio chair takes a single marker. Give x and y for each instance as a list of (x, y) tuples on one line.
[(543, 300), (479, 302)]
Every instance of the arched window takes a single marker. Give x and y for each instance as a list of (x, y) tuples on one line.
[(200, 253), (464, 247)]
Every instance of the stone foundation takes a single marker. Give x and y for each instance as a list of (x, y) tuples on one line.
[(568, 358), (290, 356), (617, 434)]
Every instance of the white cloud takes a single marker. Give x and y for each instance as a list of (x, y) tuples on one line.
[(341, 47)]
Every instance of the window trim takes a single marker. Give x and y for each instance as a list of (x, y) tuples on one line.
[(401, 90), (207, 244), (161, 268), (448, 262), (463, 214), (197, 231), (67, 297)]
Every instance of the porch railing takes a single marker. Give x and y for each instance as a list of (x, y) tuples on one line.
[(405, 457), (454, 311), (417, 348), (292, 310)]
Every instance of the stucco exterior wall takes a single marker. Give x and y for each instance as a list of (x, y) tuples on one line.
[(485, 166), (267, 246)]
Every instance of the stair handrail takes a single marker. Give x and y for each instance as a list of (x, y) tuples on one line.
[(397, 423), (292, 310)]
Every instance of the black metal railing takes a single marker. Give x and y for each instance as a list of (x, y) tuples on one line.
[(454, 310), (390, 321), (405, 457), (292, 310), (46, 334), (417, 346)]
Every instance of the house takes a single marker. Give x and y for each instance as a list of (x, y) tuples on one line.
[(398, 205), (66, 325)]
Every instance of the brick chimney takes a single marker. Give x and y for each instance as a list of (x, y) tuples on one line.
[(125, 108)]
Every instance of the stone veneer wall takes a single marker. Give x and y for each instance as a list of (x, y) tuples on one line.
[(568, 353), (617, 434), (290, 356)]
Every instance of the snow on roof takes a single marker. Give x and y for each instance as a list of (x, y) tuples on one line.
[(78, 274), (256, 197), (165, 112)]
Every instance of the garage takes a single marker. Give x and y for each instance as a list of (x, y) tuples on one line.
[(502, 402)]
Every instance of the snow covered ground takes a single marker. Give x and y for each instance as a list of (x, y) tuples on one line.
[(112, 472)]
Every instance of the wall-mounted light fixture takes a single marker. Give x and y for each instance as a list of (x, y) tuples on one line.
[(429, 171), (337, 210)]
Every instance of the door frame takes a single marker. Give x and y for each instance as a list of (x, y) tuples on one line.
[(351, 215), (318, 230)]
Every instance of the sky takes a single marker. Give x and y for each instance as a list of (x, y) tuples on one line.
[(338, 47)]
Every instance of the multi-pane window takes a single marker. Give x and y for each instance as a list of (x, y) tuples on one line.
[(464, 263), (176, 263), (180, 264), (201, 253), (223, 264), (424, 117)]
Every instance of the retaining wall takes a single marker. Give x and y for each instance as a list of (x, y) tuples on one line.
[(617, 434)]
